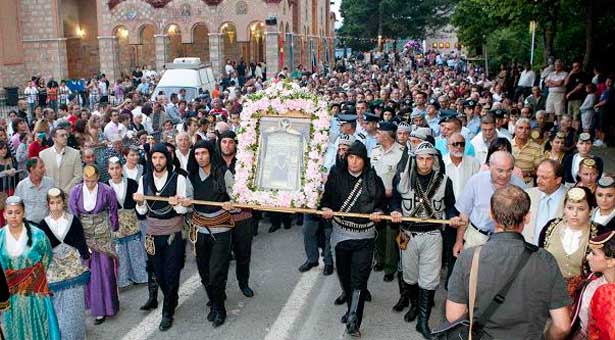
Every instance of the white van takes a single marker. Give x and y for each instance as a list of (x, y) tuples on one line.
[(186, 73)]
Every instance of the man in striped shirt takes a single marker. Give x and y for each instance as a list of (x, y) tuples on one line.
[(527, 153)]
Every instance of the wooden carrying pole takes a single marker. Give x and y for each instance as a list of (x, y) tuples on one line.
[(301, 210)]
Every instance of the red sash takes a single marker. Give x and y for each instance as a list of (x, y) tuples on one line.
[(28, 281)]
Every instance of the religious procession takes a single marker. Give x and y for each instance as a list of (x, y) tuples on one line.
[(450, 202)]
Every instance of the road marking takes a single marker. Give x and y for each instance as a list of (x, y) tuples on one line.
[(149, 325), (283, 325)]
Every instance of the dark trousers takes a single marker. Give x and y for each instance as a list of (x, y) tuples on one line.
[(311, 228), (167, 264), (278, 218), (449, 235), (212, 261), (241, 237), (354, 264), (387, 252)]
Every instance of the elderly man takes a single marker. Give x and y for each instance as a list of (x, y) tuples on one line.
[(474, 203), (33, 190), (182, 140), (88, 157), (537, 279), (527, 153), (547, 198), (62, 162)]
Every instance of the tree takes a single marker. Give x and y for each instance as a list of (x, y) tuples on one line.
[(393, 19)]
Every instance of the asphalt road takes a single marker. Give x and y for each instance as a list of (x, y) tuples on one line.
[(287, 304)]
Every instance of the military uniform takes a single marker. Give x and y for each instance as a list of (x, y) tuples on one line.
[(331, 153)]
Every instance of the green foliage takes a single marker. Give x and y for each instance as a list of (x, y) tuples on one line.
[(395, 18)]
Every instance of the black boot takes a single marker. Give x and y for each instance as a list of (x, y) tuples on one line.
[(413, 295), (219, 313), (211, 314), (425, 304), (341, 299), (353, 323), (404, 298), (168, 310), (152, 287)]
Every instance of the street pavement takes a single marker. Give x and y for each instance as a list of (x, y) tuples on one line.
[(287, 304)]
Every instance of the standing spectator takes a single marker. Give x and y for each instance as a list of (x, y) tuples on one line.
[(38, 145), (31, 93), (114, 127), (62, 162), (555, 82), (547, 199), (575, 92), (536, 101), (498, 258), (42, 91), (64, 93), (33, 190), (94, 91), (7, 181), (525, 83), (587, 108), (527, 153), (52, 94), (605, 109)]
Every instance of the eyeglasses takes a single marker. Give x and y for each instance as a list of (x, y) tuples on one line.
[(459, 144)]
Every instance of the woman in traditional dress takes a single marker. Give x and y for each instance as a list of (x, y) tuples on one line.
[(556, 153), (67, 274), (96, 206), (605, 199), (25, 254), (132, 169), (588, 174), (594, 312), (568, 238), (4, 296), (129, 241)]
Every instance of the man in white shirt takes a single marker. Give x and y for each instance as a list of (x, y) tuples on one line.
[(547, 199), (114, 127), (459, 168), (163, 240), (556, 100), (525, 83)]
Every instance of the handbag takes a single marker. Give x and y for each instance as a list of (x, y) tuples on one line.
[(463, 329)]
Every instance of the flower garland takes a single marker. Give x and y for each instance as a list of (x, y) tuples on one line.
[(278, 98)]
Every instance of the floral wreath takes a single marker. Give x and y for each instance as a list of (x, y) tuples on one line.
[(277, 99)]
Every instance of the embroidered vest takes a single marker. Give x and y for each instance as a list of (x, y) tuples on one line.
[(156, 209)]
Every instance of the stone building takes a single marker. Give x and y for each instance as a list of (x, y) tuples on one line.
[(70, 39)]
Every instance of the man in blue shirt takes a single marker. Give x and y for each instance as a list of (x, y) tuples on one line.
[(474, 204)]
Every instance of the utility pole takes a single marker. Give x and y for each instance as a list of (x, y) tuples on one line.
[(380, 44)]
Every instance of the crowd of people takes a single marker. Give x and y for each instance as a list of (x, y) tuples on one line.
[(503, 164)]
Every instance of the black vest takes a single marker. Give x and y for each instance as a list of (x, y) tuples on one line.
[(157, 209), (213, 188)]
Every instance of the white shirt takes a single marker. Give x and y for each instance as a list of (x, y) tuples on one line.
[(557, 76), (119, 189), (460, 174), (547, 210), (597, 217), (571, 240), (576, 162), (59, 156), (159, 183), (527, 78), (131, 173), (58, 227), (183, 160), (481, 149), (89, 197), (112, 129), (16, 246)]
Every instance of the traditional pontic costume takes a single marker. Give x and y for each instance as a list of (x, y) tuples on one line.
[(210, 231), (164, 242), (67, 274), (128, 238), (423, 196), (25, 260), (353, 238), (97, 211)]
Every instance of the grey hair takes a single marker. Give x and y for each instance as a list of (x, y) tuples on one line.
[(541, 113), (522, 121)]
